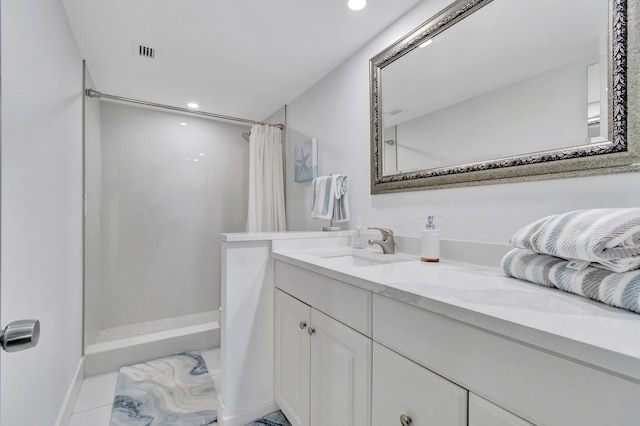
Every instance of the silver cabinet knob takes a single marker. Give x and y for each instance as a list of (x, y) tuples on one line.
[(302, 325), (311, 330), (20, 335), (405, 420)]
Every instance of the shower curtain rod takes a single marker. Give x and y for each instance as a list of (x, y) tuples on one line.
[(95, 94)]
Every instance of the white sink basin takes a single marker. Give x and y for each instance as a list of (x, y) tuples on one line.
[(354, 257)]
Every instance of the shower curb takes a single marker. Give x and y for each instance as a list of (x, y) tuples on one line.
[(108, 357)]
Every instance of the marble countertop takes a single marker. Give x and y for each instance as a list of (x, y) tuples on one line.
[(551, 319)]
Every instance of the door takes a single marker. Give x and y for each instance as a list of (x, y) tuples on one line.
[(340, 373), (18, 335), (291, 370)]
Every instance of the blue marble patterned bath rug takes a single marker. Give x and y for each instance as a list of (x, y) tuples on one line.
[(273, 419), (176, 390)]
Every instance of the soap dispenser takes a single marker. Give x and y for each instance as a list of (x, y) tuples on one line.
[(430, 241), (359, 241)]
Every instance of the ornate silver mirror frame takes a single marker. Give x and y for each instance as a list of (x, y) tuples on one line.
[(621, 153)]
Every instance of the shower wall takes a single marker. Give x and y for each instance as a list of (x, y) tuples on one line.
[(168, 191), (93, 215)]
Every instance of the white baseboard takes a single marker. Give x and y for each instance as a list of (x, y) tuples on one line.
[(66, 409), (245, 417)]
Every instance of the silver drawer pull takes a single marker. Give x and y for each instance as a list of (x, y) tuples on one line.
[(405, 420), (311, 330), (302, 325), (20, 335)]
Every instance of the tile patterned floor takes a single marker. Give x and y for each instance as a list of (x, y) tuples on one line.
[(93, 406), (273, 419)]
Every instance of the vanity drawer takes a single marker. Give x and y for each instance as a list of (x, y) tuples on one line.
[(403, 388), (346, 303), (540, 387), (484, 413)]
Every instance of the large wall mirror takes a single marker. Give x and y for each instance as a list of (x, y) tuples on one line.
[(491, 91)]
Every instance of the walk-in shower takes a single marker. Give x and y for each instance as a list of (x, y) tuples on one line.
[(160, 187)]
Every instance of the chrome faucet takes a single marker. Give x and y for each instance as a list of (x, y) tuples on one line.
[(387, 244)]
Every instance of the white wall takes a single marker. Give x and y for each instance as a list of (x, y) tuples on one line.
[(164, 205), (336, 111), (41, 205)]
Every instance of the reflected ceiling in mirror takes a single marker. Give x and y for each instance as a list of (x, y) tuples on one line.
[(490, 91)]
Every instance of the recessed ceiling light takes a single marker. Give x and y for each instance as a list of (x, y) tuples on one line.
[(193, 105), (183, 123), (356, 4)]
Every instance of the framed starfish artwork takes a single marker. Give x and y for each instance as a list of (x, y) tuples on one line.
[(306, 160)]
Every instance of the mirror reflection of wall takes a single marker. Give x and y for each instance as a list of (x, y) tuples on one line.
[(596, 91), (499, 123), (390, 162)]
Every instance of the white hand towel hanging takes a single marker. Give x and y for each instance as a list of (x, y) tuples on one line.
[(340, 204), (323, 197)]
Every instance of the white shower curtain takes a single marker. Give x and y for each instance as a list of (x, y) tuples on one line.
[(266, 181)]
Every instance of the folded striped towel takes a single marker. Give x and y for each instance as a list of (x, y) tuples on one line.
[(340, 205), (323, 197), (609, 237), (621, 290)]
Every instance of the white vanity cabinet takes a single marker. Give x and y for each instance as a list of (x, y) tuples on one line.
[(535, 385), (406, 393), (292, 358), (340, 373), (383, 358), (322, 367), (484, 413)]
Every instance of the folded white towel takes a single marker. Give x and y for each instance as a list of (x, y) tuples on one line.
[(323, 197), (341, 205), (608, 237), (616, 289)]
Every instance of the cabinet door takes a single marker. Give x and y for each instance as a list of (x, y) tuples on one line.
[(291, 370), (404, 388), (484, 413), (340, 374)]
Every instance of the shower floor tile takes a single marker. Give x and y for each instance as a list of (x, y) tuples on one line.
[(142, 328)]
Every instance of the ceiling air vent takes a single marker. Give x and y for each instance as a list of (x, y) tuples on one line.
[(143, 50), (146, 51)]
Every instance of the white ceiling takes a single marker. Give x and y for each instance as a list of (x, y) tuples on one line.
[(244, 58)]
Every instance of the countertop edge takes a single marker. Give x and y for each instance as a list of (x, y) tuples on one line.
[(269, 236)]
